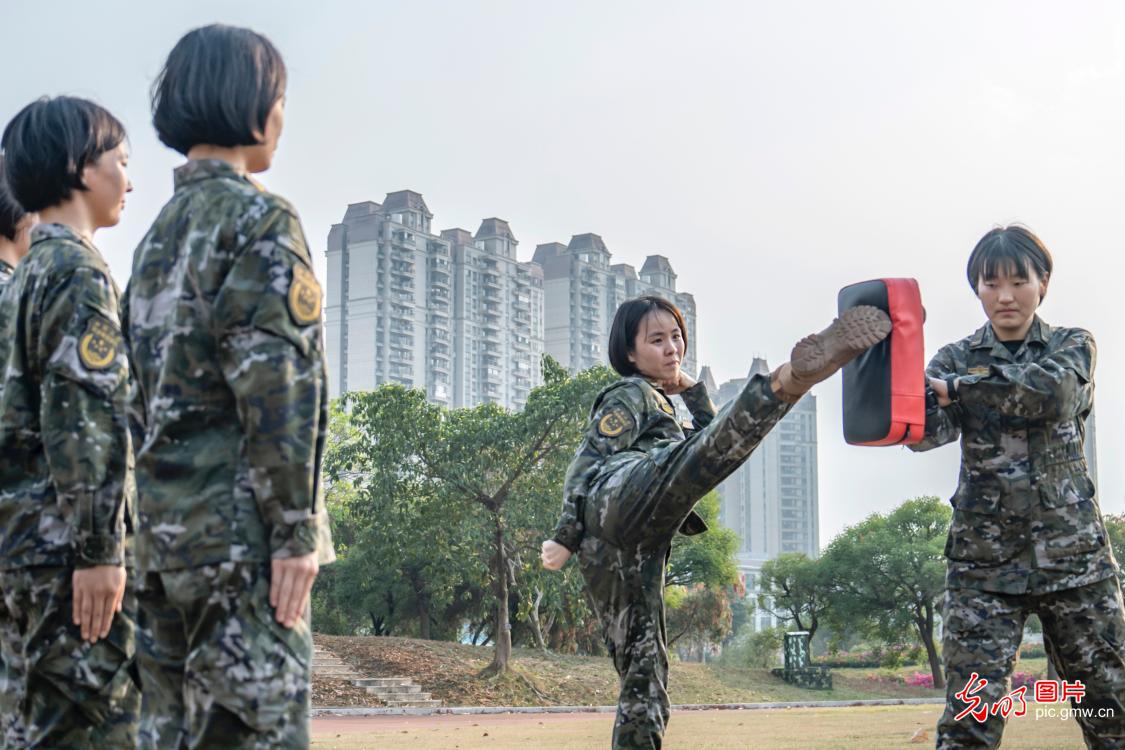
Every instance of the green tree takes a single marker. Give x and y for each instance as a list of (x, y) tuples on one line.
[(406, 564), (708, 558), (702, 615), (887, 574), (794, 589), (498, 463)]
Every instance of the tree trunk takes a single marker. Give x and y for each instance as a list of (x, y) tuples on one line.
[(502, 632), (925, 626), (533, 617), (474, 635)]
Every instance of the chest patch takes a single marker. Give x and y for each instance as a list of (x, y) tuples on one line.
[(983, 370), (98, 346), (304, 297), (614, 422)]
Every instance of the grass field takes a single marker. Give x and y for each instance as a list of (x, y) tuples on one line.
[(869, 728)]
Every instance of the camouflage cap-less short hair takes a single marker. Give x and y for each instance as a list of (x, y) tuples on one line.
[(1010, 250), (11, 212), (626, 323), (48, 144), (217, 88)]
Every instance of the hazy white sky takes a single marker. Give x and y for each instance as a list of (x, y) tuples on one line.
[(773, 151)]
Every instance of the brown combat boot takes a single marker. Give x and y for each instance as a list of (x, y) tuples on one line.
[(819, 356)]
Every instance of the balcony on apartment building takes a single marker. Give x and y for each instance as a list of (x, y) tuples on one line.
[(402, 237), (403, 264), (438, 364), (490, 280)]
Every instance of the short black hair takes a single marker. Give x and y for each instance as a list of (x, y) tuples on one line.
[(626, 323), (48, 144), (217, 87), (11, 212), (1010, 250)]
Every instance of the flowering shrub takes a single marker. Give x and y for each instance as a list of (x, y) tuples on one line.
[(1025, 679), (919, 679), (894, 655)]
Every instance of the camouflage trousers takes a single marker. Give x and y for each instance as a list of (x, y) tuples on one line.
[(59, 691), (641, 661), (1084, 634), (218, 671)]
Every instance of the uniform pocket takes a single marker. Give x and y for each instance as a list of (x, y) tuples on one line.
[(98, 678), (979, 538), (1072, 529), (252, 666), (1066, 487)]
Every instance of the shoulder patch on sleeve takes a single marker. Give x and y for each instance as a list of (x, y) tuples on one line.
[(614, 422), (98, 346), (304, 296)]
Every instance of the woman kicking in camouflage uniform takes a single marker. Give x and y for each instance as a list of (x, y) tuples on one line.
[(637, 476)]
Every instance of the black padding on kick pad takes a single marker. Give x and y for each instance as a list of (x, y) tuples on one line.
[(867, 378)]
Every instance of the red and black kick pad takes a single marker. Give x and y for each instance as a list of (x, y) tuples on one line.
[(885, 387)]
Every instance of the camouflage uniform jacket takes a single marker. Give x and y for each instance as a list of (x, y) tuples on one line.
[(6, 272), (631, 414), (1025, 515), (64, 434), (223, 325)]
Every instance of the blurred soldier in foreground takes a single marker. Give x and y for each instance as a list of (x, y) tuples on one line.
[(67, 618), (223, 318)]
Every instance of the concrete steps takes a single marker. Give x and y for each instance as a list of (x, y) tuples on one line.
[(396, 692)]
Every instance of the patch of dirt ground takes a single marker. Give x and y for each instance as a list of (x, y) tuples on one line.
[(451, 672)]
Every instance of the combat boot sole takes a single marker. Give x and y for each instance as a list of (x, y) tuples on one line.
[(817, 357)]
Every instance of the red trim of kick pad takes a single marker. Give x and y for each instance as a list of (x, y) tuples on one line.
[(908, 367)]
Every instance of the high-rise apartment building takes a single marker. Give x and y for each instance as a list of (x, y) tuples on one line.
[(582, 291), (452, 314), (497, 317), (771, 501)]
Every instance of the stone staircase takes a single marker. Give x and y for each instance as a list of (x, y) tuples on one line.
[(395, 692)]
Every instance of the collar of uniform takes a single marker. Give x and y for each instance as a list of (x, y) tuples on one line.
[(985, 338), (6, 268), (1039, 332), (197, 170), (44, 232)]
